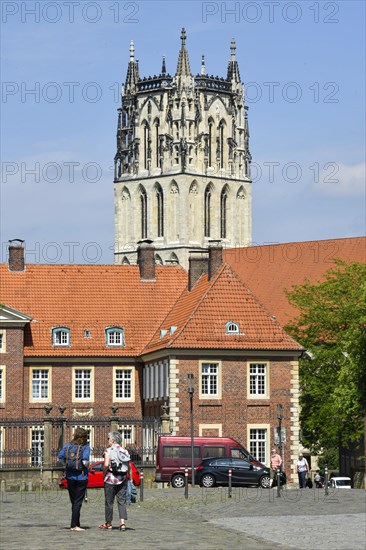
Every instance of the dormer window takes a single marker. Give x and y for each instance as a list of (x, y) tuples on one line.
[(232, 328), (61, 336), (114, 336)]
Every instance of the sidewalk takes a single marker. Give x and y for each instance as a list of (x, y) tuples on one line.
[(252, 519)]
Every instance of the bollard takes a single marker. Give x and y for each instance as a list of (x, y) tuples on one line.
[(230, 481), (278, 474), (141, 484), (186, 483), (326, 479)]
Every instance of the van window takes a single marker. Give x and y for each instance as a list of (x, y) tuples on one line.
[(237, 453), (209, 452), (180, 452)]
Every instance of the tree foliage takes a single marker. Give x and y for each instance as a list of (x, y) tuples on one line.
[(332, 328)]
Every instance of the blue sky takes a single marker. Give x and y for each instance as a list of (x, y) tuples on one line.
[(303, 67)]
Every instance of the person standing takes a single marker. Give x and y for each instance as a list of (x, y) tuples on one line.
[(318, 480), (115, 483), (276, 462), (302, 468), (75, 455)]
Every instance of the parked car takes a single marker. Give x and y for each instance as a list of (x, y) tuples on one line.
[(340, 483), (215, 471), (96, 479), (174, 454)]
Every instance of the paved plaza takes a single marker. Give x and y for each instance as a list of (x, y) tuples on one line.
[(252, 519)]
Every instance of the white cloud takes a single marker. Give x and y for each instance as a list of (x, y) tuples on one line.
[(341, 180)]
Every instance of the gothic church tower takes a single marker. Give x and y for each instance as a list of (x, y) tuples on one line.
[(182, 167)]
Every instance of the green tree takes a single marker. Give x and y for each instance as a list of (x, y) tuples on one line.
[(332, 328)]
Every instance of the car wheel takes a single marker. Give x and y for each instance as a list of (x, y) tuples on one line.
[(265, 482), (178, 481), (207, 480)]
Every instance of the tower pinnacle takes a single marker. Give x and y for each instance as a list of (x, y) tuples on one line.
[(233, 68), (203, 66), (183, 68), (132, 71)]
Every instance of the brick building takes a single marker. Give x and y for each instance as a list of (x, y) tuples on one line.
[(91, 339), (82, 343)]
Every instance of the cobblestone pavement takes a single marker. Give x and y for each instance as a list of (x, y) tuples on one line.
[(252, 519)]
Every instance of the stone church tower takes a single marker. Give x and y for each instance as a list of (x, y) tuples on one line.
[(182, 167)]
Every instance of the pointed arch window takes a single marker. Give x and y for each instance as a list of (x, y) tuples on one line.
[(143, 203), (208, 198), (223, 213), (222, 143), (160, 211), (157, 143), (146, 144), (210, 124)]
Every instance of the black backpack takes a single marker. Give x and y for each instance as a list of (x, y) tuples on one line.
[(74, 457)]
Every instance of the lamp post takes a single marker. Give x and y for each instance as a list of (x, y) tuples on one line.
[(279, 416), (191, 392)]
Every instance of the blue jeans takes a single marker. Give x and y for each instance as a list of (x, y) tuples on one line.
[(302, 479)]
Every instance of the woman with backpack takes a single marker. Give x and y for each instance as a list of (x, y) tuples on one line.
[(75, 456), (115, 471)]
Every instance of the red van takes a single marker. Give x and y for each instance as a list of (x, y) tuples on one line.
[(174, 455)]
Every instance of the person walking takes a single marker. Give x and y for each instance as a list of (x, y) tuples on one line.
[(75, 456), (276, 462), (115, 470), (302, 468)]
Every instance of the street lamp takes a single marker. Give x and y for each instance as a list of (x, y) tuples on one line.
[(191, 392), (279, 416)]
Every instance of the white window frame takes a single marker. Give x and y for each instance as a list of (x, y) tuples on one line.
[(123, 428), (2, 341), (40, 430), (256, 376), (89, 399), (218, 376), (232, 328), (266, 440), (2, 384), (47, 399), (64, 333), (111, 334), (132, 381)]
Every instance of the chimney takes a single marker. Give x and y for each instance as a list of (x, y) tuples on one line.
[(16, 255), (198, 265), (146, 260), (214, 258)]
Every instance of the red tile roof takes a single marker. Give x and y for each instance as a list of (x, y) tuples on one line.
[(269, 270), (90, 297), (200, 318)]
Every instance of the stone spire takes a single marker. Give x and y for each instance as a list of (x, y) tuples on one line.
[(132, 72), (163, 67), (233, 68), (183, 68)]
